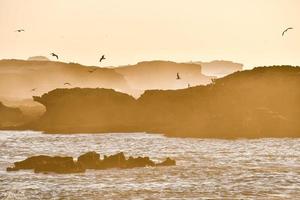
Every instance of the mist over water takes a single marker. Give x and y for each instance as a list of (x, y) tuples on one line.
[(206, 168)]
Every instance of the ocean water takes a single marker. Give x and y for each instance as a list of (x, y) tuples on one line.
[(206, 168)]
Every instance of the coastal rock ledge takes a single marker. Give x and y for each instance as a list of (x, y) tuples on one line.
[(89, 160)]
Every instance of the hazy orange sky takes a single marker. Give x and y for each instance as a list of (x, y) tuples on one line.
[(246, 31)]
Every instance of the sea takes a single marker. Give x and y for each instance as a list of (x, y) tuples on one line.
[(266, 168)]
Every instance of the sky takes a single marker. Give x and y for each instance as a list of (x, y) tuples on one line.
[(127, 32)]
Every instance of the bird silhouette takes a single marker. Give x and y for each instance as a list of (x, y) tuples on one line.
[(102, 58), (67, 84), (20, 30), (286, 30), (33, 89), (55, 55), (178, 77)]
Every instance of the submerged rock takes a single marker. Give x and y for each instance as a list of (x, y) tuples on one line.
[(44, 163), (89, 160), (139, 162), (114, 161), (167, 162)]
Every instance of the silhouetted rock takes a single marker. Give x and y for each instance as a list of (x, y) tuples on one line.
[(59, 165), (19, 77), (167, 162), (10, 116), (90, 160), (139, 162), (219, 68), (86, 113), (163, 75), (38, 58), (44, 163), (117, 160), (263, 102), (11, 169)]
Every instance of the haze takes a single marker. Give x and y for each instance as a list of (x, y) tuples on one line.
[(135, 30)]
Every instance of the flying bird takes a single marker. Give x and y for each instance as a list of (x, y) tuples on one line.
[(33, 89), (55, 55), (67, 84), (102, 58), (20, 30), (286, 30), (178, 77)]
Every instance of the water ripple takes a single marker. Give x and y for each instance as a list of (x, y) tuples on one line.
[(206, 168)]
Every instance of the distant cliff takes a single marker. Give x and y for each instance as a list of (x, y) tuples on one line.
[(219, 68), (163, 75), (38, 58), (20, 79), (10, 116), (263, 102)]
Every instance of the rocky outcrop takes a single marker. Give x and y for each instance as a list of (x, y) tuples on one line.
[(219, 68), (92, 110), (38, 58), (263, 102), (163, 75), (21, 79), (89, 160), (44, 163), (10, 117), (167, 162)]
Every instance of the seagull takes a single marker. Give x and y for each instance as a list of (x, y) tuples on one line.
[(55, 55), (178, 77), (20, 30), (33, 89), (102, 58), (286, 30), (67, 84)]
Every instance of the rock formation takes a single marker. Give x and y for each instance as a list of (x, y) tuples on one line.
[(219, 68), (162, 75), (38, 58), (89, 160), (10, 116), (263, 102)]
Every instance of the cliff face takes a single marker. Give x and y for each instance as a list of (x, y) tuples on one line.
[(10, 116), (220, 68), (21, 80), (86, 110), (38, 58), (163, 75), (263, 102)]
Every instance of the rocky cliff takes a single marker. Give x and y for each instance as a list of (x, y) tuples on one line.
[(263, 102)]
